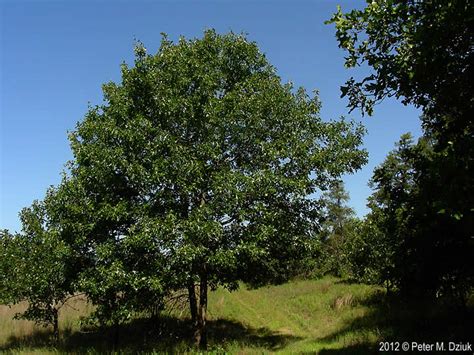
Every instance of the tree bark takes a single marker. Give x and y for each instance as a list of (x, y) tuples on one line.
[(55, 325), (200, 333), (116, 335), (192, 302)]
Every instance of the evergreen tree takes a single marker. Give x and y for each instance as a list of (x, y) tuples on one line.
[(337, 228)]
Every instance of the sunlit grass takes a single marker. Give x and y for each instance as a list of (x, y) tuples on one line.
[(323, 316), (23, 332)]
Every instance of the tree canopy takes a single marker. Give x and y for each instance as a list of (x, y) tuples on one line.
[(200, 168), (419, 51)]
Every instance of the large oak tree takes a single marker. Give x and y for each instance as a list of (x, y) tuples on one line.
[(200, 169)]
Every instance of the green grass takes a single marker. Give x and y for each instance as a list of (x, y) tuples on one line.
[(324, 316)]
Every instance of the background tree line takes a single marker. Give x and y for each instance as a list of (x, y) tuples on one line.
[(422, 209)]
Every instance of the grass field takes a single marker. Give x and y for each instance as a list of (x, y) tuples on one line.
[(327, 316)]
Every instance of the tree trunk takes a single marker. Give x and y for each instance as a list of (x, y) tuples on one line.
[(55, 325), (192, 302), (116, 335), (200, 333)]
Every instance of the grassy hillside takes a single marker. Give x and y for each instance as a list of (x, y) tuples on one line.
[(325, 316)]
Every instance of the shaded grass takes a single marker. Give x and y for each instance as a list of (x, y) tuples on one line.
[(392, 320), (166, 334), (323, 316)]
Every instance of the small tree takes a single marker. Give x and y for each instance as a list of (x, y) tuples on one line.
[(121, 277), (9, 257), (337, 228), (34, 264), (368, 253), (199, 170), (377, 252)]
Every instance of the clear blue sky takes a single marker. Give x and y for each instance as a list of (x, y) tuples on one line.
[(55, 55)]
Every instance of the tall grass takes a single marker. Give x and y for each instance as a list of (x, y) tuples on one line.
[(323, 316), (21, 333)]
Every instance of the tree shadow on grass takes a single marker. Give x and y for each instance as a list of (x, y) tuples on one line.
[(222, 331), (389, 319), (39, 337), (347, 281), (163, 334)]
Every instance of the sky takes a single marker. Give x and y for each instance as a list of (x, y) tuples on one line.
[(55, 55)]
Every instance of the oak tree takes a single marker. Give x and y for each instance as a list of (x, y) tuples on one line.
[(200, 171)]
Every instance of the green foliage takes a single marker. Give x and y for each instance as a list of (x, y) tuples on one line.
[(118, 282), (9, 257), (199, 166), (376, 252), (369, 254), (337, 229), (407, 243), (421, 52), (337, 212), (35, 267)]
